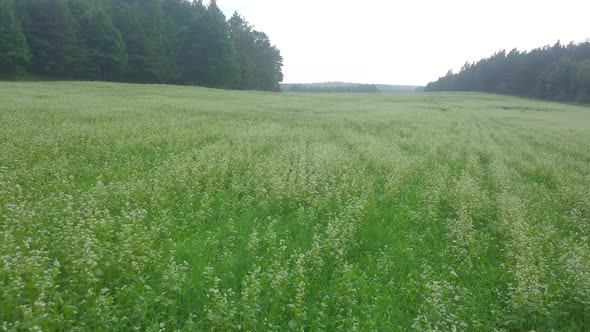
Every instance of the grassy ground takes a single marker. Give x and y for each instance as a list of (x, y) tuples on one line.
[(174, 208)]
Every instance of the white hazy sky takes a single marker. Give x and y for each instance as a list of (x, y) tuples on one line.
[(404, 42)]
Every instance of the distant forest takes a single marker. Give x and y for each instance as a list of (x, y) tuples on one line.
[(342, 87), (141, 41), (558, 72), (330, 88)]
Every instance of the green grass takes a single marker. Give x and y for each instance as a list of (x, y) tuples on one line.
[(176, 208)]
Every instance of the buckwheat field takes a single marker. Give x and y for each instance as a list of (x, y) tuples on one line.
[(162, 208)]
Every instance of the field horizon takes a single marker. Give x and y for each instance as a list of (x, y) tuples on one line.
[(160, 207)]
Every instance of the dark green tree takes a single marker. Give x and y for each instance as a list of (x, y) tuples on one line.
[(582, 81), (128, 20), (242, 39), (151, 41), (208, 57), (551, 72), (260, 63), (51, 33), (268, 64), (14, 51), (157, 64), (189, 50), (179, 16), (105, 48)]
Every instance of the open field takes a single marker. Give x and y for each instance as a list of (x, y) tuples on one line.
[(166, 208)]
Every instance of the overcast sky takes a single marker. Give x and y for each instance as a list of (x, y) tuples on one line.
[(404, 42)]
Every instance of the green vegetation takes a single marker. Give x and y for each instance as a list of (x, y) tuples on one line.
[(335, 87), (175, 208), (14, 52), (142, 41), (342, 87), (555, 72)]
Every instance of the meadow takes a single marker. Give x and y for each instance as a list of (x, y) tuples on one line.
[(163, 208)]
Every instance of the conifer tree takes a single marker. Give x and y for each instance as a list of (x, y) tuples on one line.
[(51, 33), (127, 19), (14, 51), (144, 41), (106, 50)]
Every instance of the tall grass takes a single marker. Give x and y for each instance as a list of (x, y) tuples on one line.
[(160, 208)]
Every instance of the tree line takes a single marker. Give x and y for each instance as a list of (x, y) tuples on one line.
[(558, 72), (331, 88), (141, 41)]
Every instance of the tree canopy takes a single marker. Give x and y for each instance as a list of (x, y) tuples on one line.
[(331, 87), (143, 41), (14, 51), (558, 72)]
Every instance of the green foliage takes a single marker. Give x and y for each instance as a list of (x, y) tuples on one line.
[(151, 41), (267, 63), (139, 207), (152, 19), (51, 33), (178, 17), (260, 63), (332, 88), (104, 47), (551, 72), (242, 39), (582, 81), (207, 51), (14, 51), (347, 87), (127, 19)]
